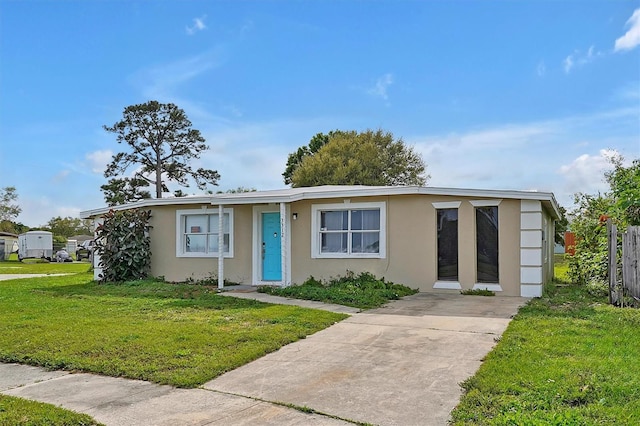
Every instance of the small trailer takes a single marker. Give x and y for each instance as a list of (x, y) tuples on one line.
[(35, 244)]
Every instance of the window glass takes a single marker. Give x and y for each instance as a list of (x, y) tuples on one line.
[(195, 243), (334, 220), (365, 242), (487, 244), (200, 233), (447, 244), (213, 223), (365, 219), (335, 242), (196, 224)]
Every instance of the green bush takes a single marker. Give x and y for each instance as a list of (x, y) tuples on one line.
[(123, 244), (362, 291)]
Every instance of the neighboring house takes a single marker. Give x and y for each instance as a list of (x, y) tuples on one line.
[(8, 244), (434, 239)]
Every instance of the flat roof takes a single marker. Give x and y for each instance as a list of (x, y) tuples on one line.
[(288, 195)]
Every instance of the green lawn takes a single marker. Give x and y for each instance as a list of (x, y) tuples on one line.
[(566, 359), (37, 266), (182, 335), (21, 412), (561, 268)]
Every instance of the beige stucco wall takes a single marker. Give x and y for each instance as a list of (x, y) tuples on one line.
[(163, 247), (411, 256), (412, 244)]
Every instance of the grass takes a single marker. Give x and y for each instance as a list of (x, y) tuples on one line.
[(17, 411), (566, 359), (478, 292), (37, 266), (183, 335), (362, 291), (561, 268)]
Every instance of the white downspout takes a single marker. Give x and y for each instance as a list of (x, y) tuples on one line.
[(283, 242), (220, 247)]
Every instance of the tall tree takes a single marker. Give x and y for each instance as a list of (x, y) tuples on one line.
[(161, 144), (69, 226), (125, 190), (625, 188), (366, 158), (295, 158), (9, 209)]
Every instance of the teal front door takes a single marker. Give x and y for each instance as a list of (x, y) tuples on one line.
[(271, 248)]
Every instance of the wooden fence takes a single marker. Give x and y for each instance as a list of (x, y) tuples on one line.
[(624, 277)]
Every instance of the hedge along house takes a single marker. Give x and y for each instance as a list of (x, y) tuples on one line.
[(434, 239)]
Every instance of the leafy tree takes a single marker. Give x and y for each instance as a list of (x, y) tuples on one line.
[(124, 245), (161, 143), (367, 158), (295, 158), (9, 210), (625, 189), (69, 226), (588, 220), (13, 227), (237, 190), (588, 223), (125, 190)]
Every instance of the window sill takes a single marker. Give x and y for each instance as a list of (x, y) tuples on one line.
[(347, 256), (448, 285), (204, 255)]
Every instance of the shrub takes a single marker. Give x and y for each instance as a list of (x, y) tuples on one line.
[(363, 291), (124, 246)]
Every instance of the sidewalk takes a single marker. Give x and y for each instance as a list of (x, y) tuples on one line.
[(124, 402)]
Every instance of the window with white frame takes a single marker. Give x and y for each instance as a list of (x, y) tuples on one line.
[(348, 230), (198, 233)]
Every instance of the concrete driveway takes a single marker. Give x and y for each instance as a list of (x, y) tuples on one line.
[(397, 365)]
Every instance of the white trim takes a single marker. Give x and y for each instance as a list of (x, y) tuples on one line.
[(256, 245), (485, 286), (289, 195), (180, 214), (221, 244), (284, 237), (447, 205), (485, 203), (530, 206), (448, 285), (528, 290), (316, 209)]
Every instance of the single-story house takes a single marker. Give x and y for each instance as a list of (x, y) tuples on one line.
[(8, 244), (433, 239)]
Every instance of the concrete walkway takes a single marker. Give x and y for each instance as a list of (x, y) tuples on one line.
[(397, 365)]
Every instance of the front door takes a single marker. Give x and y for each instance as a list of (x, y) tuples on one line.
[(271, 248)]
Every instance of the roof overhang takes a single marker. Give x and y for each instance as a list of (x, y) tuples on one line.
[(290, 195)]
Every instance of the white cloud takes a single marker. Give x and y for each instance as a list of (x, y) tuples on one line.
[(577, 58), (379, 90), (198, 25), (98, 160), (568, 64), (631, 38), (541, 69), (586, 171), (531, 155)]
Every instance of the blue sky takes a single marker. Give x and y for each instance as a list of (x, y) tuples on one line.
[(493, 94)]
